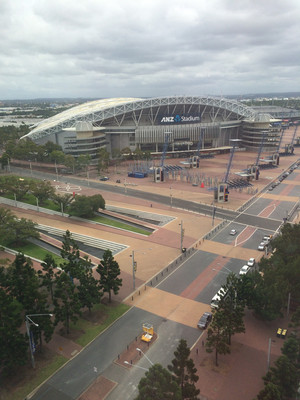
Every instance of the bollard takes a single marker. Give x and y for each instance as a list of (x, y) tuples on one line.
[(156, 277), (167, 269), (162, 274), (132, 298), (131, 362), (139, 292), (127, 347), (118, 356)]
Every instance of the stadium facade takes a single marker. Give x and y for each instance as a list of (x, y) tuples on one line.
[(122, 123)]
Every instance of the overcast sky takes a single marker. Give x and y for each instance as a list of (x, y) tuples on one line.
[(148, 48)]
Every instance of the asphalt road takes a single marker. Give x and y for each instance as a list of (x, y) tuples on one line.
[(72, 380)]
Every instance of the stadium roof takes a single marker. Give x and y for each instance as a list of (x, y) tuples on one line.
[(100, 110)]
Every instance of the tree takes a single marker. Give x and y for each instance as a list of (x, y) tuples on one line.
[(42, 190), (269, 392), (22, 230), (285, 376), (233, 305), (103, 159), (85, 206), (217, 337), (23, 283), (158, 384), (14, 231), (62, 200), (109, 270), (58, 156), (66, 301), (291, 349), (48, 274), (88, 290), (13, 345), (185, 372)]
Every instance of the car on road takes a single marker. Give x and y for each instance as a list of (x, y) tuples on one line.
[(261, 246), (266, 239), (244, 270), (204, 320), (233, 232), (251, 262)]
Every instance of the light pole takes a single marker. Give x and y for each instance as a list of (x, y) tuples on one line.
[(136, 366), (28, 322), (181, 235), (134, 265), (145, 356)]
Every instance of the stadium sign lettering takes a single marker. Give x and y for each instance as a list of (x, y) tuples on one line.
[(178, 119)]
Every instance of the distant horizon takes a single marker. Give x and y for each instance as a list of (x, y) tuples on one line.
[(240, 96)]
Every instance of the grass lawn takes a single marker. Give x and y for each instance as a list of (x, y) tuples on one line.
[(28, 379), (121, 225), (35, 251), (30, 383), (107, 313)]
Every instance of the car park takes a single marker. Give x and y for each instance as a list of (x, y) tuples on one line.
[(261, 246), (233, 232), (244, 270), (251, 262), (204, 320)]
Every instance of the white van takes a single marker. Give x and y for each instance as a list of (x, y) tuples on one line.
[(217, 297)]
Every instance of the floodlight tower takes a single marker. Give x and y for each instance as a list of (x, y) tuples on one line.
[(235, 142)]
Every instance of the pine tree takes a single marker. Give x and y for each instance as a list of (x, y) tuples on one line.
[(158, 384), (184, 369), (109, 271), (217, 337)]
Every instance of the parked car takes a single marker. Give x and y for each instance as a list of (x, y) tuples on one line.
[(204, 320), (251, 262), (261, 246), (233, 232), (244, 270), (266, 239), (104, 178)]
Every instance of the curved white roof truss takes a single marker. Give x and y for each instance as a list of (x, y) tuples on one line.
[(101, 110)]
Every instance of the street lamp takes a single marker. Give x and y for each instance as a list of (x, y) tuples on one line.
[(28, 322), (181, 236), (145, 356), (136, 366)]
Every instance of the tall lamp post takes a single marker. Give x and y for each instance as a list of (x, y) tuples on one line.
[(134, 264), (29, 322)]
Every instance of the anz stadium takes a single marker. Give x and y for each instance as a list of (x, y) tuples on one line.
[(146, 124)]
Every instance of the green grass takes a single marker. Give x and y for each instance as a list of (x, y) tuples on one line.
[(91, 330), (41, 375), (35, 251), (30, 199), (111, 313), (118, 224)]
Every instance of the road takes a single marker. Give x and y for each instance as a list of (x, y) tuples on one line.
[(72, 380)]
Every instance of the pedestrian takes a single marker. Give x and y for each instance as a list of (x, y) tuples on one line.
[(151, 205), (202, 343)]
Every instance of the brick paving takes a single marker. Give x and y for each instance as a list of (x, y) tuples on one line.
[(239, 374)]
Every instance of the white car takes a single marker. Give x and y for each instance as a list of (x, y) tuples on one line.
[(233, 232), (251, 262), (244, 270), (261, 246)]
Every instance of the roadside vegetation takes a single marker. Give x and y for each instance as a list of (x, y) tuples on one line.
[(68, 295), (42, 194)]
